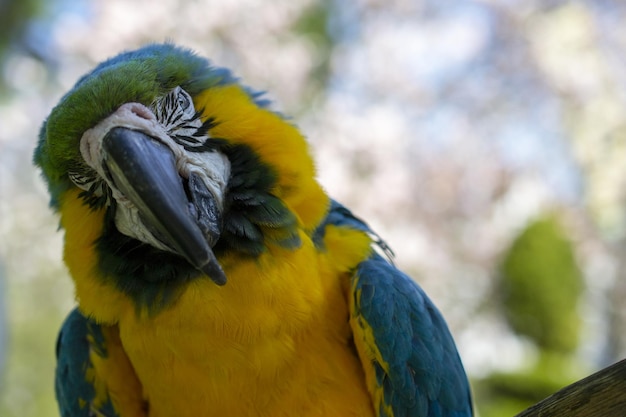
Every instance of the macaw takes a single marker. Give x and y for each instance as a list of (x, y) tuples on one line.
[(214, 276)]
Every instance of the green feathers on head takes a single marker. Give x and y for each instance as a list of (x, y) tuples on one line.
[(138, 76)]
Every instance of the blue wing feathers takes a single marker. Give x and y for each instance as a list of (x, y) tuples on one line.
[(72, 361), (424, 369), (424, 375), (75, 393)]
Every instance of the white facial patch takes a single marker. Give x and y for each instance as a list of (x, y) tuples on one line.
[(176, 118)]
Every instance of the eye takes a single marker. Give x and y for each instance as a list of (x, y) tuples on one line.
[(175, 110), (184, 101)]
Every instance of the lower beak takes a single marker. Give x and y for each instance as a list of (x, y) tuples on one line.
[(144, 170)]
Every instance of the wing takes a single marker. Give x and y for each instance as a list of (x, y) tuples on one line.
[(409, 357), (94, 377), (75, 376), (406, 348)]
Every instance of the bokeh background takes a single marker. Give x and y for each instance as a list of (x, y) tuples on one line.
[(484, 140)]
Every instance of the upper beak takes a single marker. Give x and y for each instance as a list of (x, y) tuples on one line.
[(144, 170)]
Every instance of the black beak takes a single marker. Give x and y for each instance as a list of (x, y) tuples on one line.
[(144, 170)]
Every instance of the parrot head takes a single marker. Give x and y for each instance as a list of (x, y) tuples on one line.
[(186, 163)]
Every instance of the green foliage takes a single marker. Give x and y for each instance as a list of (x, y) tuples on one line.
[(506, 394), (15, 17), (35, 312), (541, 285), (314, 25)]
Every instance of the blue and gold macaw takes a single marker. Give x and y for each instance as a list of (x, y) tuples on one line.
[(214, 277)]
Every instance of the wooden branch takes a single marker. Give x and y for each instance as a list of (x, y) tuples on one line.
[(602, 394)]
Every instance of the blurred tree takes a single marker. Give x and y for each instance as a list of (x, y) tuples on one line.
[(540, 289), (314, 24), (15, 15), (541, 286), (579, 50), (3, 324), (14, 18)]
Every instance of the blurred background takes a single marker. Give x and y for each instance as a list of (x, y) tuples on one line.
[(484, 140)]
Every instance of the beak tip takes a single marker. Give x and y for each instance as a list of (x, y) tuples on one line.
[(214, 271)]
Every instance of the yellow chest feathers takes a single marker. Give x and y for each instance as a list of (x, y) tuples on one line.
[(274, 341)]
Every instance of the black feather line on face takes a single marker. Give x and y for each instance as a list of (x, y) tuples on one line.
[(192, 143), (207, 125), (98, 195)]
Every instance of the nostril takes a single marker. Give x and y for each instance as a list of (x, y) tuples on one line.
[(129, 110), (142, 111)]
